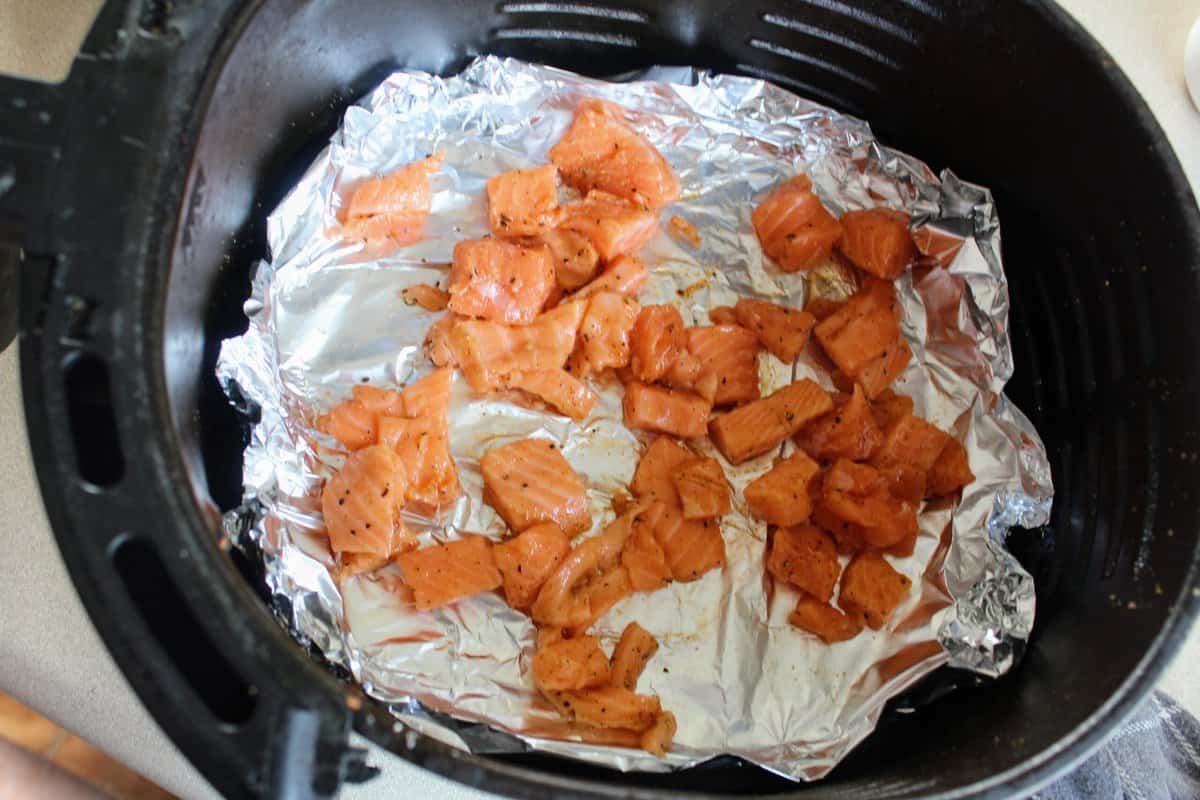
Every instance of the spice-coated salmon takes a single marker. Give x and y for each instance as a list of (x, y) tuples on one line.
[(782, 331), (570, 665), (425, 297), (793, 227), (528, 559), (703, 490), (654, 408), (871, 589), (489, 351), (807, 558), (730, 353), (576, 260), (626, 276), (657, 739), (394, 206), (361, 502), (951, 471), (529, 482), (878, 241), (500, 280), (634, 650), (643, 557), (848, 431), (608, 707), (613, 226), (423, 448), (557, 388), (780, 496), (523, 202), (443, 573), (428, 396), (823, 620), (565, 600), (692, 546), (355, 422), (656, 341), (858, 494), (760, 426), (654, 476), (604, 334)]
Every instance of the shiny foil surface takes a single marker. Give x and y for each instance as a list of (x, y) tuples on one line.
[(326, 314)]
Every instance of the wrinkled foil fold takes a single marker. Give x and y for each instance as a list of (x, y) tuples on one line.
[(325, 314)]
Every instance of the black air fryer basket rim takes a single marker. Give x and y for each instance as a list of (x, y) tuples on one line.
[(135, 64)]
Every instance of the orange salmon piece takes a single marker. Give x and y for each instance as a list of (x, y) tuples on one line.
[(702, 489), (557, 388), (794, 229), (723, 315), (608, 707), (575, 259), (604, 333), (657, 739), (692, 546), (361, 503), (689, 373), (570, 664), (500, 280), (871, 589), (633, 652), (643, 557), (883, 370), (443, 573), (781, 495), (863, 338), (378, 401), (760, 426), (913, 441), (849, 431), (487, 351), (428, 396), (889, 407), (823, 620), (654, 476), (351, 423), (528, 559), (627, 275), (730, 353), (438, 345), (602, 594), (951, 471), (523, 202), (602, 151), (529, 482), (655, 342), (858, 494), (683, 229), (670, 411), (565, 599), (613, 226), (807, 558), (877, 241), (395, 206), (428, 298), (422, 446), (782, 331)]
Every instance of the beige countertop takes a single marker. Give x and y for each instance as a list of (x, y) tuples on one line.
[(50, 656)]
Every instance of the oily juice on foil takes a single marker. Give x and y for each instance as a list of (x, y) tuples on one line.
[(326, 314)]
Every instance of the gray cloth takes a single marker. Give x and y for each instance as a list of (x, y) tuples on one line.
[(1155, 756)]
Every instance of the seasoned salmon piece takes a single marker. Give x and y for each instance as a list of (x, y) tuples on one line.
[(529, 482), (692, 546), (347, 565), (781, 330), (848, 536), (689, 373), (422, 446), (559, 389), (888, 407), (395, 206), (760, 426), (643, 557), (602, 594), (488, 352), (523, 202), (400, 229), (951, 471), (860, 331), (858, 494), (608, 707), (604, 333), (881, 371), (823, 620), (627, 275), (602, 151), (723, 315), (528, 559), (570, 664), (807, 558), (729, 352), (781, 495), (913, 441), (428, 396), (794, 229), (575, 258), (703, 490), (361, 503), (443, 573), (654, 476), (351, 423), (428, 298), (655, 342), (657, 739), (634, 650), (670, 411), (564, 600), (904, 481), (500, 280), (848, 431), (877, 241), (379, 401), (438, 345), (871, 589), (613, 226)]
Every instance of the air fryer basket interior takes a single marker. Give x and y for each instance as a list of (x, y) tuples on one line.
[(1101, 247)]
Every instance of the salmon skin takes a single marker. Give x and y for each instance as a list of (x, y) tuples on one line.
[(393, 207), (523, 202), (447, 572), (499, 280), (529, 482), (794, 229)]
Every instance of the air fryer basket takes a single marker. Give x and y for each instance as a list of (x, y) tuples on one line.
[(140, 186)]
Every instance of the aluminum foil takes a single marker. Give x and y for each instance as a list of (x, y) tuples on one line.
[(326, 314)]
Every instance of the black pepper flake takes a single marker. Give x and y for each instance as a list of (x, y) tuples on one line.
[(341, 501)]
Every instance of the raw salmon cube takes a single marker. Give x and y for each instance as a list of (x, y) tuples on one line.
[(858, 494), (692, 546), (523, 202), (904, 481), (807, 558), (634, 650), (438, 342), (643, 557), (361, 503), (559, 389), (602, 594), (670, 411), (823, 620), (428, 298), (395, 206), (422, 447), (626, 275), (723, 315), (567, 598), (888, 407), (654, 477), (529, 482), (528, 559), (848, 535), (689, 373), (878, 241), (487, 352), (730, 353), (881, 371), (400, 229), (848, 431), (604, 333), (658, 737), (762, 425), (602, 151), (428, 396), (951, 471), (781, 496), (864, 329), (575, 258), (608, 707), (655, 342), (703, 490), (378, 401), (351, 423), (683, 229), (499, 280), (781, 330), (793, 227), (911, 440), (570, 664), (613, 226), (871, 589), (443, 573)]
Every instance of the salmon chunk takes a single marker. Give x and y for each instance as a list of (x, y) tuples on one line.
[(669, 411), (575, 258), (823, 620), (848, 431), (654, 477), (911, 440), (657, 739), (361, 502), (528, 559), (529, 482), (643, 557), (690, 374), (888, 407), (500, 280), (566, 598), (782, 331), (723, 315), (692, 546), (781, 495), (570, 664), (863, 339), (807, 558), (443, 573), (871, 589), (557, 388), (951, 471), (602, 151), (858, 495), (655, 342), (760, 426), (487, 352), (702, 489), (613, 226), (351, 423), (794, 229), (604, 334), (730, 354), (428, 396), (523, 202), (422, 447), (395, 206), (608, 707), (877, 241), (634, 650), (438, 345), (627, 276)]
